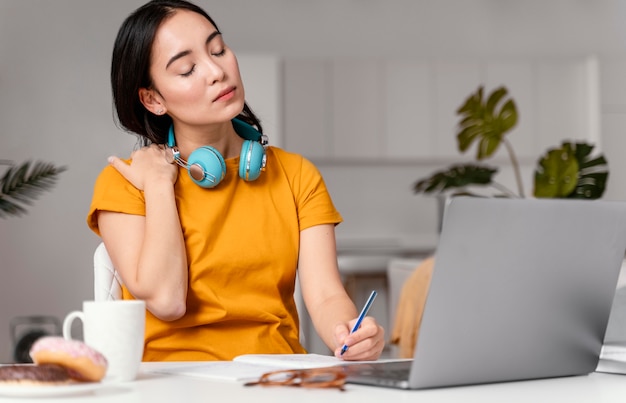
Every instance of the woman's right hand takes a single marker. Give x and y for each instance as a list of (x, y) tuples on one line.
[(148, 164)]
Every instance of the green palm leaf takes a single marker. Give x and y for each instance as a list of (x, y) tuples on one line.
[(571, 172), (566, 172), (21, 185), (485, 121), (457, 176), (557, 173)]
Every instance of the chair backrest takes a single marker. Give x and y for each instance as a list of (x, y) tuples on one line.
[(107, 284)]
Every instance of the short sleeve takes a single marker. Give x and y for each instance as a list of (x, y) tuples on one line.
[(112, 192), (315, 206)]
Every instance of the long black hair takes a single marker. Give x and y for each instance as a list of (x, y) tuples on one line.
[(130, 70)]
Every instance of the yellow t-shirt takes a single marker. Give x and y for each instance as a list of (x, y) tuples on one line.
[(242, 242)]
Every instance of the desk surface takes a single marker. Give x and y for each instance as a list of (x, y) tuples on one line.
[(156, 388)]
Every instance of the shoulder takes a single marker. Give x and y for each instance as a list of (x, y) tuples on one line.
[(110, 183), (110, 175), (112, 192), (303, 176), (282, 155), (289, 160)]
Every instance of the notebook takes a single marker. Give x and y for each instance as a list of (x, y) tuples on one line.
[(521, 289)]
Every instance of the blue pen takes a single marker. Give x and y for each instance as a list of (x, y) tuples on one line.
[(364, 311)]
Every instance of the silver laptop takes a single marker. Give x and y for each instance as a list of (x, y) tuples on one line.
[(521, 289)]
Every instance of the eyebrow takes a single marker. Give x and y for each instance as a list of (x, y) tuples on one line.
[(186, 52)]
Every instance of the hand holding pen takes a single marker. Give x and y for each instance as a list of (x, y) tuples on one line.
[(362, 315)]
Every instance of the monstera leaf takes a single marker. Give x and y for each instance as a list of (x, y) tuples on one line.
[(485, 121), (457, 176), (21, 185), (566, 172), (571, 172)]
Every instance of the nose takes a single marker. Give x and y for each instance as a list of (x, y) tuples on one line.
[(215, 72)]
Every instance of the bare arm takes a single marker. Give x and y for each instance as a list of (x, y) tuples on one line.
[(149, 252), (330, 307)]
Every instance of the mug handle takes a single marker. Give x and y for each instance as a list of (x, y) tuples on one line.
[(67, 323)]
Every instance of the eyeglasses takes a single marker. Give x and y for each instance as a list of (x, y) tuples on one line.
[(306, 378)]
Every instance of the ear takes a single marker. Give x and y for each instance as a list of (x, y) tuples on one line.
[(151, 101)]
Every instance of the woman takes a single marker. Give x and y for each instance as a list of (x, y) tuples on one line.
[(214, 253)]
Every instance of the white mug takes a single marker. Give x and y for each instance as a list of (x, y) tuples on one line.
[(116, 329)]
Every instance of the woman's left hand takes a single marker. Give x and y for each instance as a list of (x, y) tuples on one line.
[(365, 344), (148, 165)]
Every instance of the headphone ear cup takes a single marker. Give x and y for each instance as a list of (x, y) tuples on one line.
[(251, 160), (211, 162)]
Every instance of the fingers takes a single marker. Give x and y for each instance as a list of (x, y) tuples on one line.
[(148, 165), (367, 350), (120, 165), (366, 343)]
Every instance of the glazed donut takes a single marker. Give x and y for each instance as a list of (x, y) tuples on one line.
[(33, 375), (82, 362)]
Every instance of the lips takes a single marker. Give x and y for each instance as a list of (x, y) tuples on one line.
[(225, 95)]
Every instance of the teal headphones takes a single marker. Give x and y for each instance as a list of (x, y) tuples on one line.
[(206, 166)]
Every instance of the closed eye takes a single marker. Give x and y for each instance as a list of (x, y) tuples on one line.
[(190, 72)]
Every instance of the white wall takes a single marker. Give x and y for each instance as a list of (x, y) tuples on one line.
[(55, 105)]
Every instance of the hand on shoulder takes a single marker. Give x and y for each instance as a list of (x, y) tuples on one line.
[(147, 164)]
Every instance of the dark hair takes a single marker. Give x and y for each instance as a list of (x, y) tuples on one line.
[(130, 70)]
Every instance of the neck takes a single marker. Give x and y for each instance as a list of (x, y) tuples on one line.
[(222, 137)]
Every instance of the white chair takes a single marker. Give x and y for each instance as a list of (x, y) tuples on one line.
[(107, 284)]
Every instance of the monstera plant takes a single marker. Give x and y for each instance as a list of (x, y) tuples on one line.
[(21, 184), (570, 170)]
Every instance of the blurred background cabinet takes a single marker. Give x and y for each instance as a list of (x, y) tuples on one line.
[(342, 110)]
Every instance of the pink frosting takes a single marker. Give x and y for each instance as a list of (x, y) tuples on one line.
[(75, 348)]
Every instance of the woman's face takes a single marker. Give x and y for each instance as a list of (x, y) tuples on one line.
[(194, 73)]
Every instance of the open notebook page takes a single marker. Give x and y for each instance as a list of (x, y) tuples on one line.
[(251, 366)]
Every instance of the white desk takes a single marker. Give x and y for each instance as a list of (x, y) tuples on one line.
[(158, 388)]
